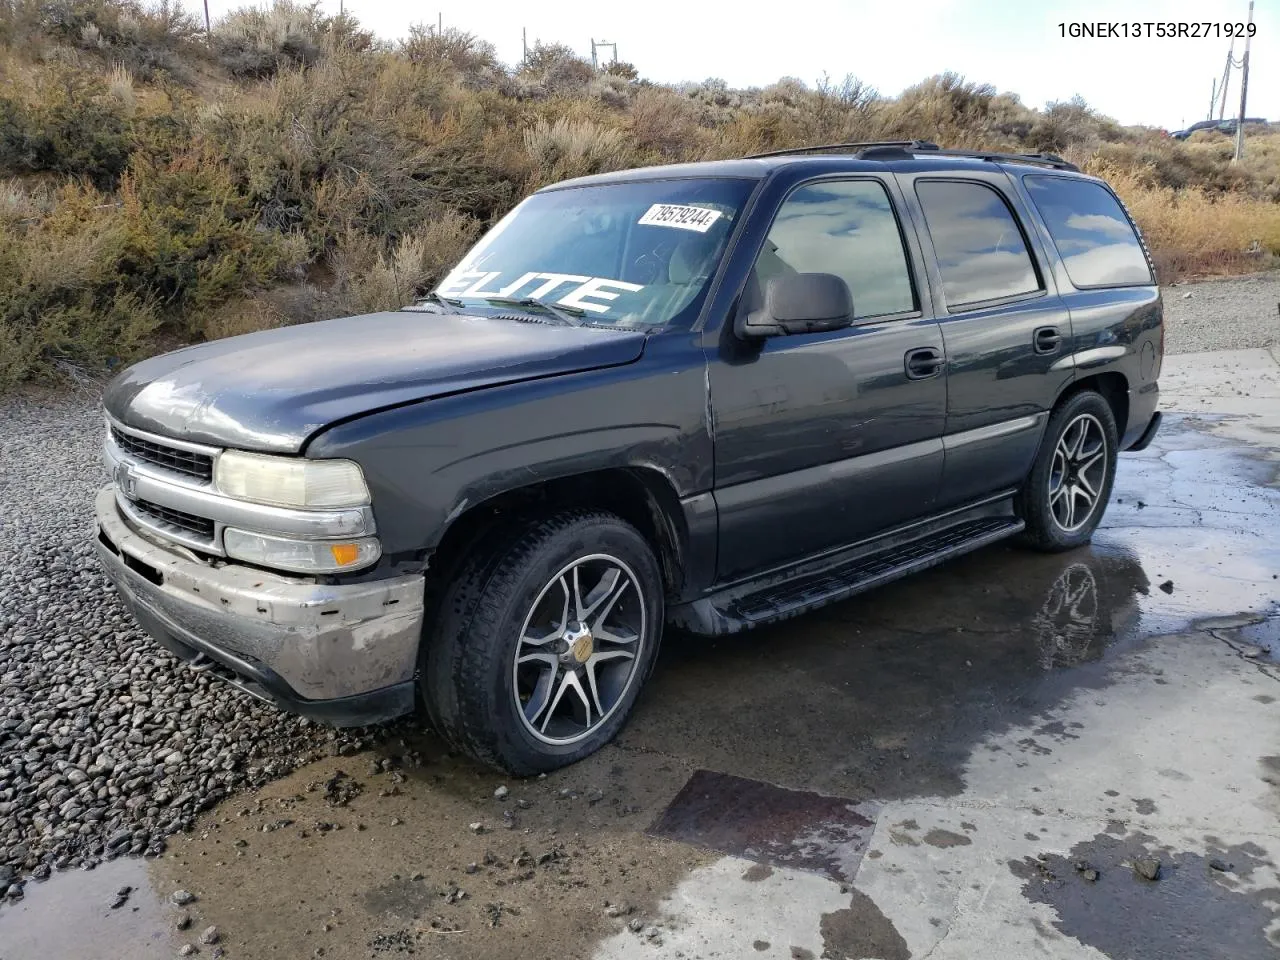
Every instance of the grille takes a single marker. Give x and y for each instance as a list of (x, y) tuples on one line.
[(197, 465), (199, 526)]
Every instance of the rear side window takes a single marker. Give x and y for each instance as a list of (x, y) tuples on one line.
[(982, 253), (1093, 236), (845, 227)]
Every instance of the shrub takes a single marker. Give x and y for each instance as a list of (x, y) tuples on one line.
[(369, 280), (150, 40), (610, 90), (63, 303), (72, 126), (259, 42), (557, 69), (574, 148), (473, 61)]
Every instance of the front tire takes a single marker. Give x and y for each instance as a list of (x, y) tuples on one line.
[(542, 641), (1067, 491)]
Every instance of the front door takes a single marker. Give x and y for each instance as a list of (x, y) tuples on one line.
[(824, 439)]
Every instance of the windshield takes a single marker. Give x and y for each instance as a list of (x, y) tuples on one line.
[(638, 255)]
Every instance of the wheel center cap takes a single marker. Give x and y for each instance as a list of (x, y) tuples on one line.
[(581, 644)]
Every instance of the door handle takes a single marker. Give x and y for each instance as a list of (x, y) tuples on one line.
[(1047, 340), (923, 363)]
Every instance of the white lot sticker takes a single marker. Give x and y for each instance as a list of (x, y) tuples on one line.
[(681, 217)]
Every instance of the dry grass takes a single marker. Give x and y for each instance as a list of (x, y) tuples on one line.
[(1192, 233)]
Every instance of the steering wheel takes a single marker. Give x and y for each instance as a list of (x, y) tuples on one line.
[(650, 266)]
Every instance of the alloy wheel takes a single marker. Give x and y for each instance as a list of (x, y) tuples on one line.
[(1078, 473), (579, 648)]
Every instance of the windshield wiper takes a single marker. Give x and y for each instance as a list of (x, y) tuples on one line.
[(450, 305), (569, 316)]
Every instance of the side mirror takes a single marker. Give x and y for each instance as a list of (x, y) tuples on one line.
[(800, 303)]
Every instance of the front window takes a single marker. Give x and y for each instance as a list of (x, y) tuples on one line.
[(638, 255)]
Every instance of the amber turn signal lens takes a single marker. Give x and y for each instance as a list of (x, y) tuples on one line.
[(345, 554)]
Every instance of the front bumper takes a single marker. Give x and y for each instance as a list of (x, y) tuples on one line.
[(343, 654)]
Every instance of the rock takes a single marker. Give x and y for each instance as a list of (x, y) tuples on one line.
[(188, 950), (182, 897), (209, 935), (472, 867), (396, 821), (121, 897), (501, 793), (1090, 874), (1147, 867), (14, 892), (1167, 586), (636, 925), (618, 910), (183, 921), (476, 827), (1221, 865)]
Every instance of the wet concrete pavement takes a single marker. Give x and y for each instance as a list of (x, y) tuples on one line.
[(980, 760)]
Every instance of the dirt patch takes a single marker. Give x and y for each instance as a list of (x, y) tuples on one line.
[(861, 930), (757, 872), (945, 838), (424, 857)]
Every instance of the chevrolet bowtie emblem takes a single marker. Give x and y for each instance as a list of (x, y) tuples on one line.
[(127, 481)]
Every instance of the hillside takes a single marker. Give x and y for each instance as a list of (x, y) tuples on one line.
[(158, 186)]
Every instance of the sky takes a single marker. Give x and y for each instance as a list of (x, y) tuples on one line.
[(1015, 45)]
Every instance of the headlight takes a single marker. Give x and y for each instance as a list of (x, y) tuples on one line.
[(290, 481), (300, 556)]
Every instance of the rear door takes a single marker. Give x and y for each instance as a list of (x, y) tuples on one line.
[(1005, 328), (823, 439)]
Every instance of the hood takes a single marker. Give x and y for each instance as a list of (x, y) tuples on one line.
[(271, 390)]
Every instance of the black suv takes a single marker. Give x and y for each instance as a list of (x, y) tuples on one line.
[(714, 394)]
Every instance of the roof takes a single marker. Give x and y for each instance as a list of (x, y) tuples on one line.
[(854, 157)]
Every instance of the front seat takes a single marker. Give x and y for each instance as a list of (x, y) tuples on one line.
[(692, 261)]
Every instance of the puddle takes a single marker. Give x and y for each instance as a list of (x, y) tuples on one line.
[(1199, 907), (1264, 635), (769, 824), (70, 915)]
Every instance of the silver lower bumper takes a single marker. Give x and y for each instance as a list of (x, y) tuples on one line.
[(284, 639)]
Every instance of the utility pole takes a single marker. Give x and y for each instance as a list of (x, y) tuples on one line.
[(1213, 99), (208, 30), (524, 46), (439, 24), (1244, 90), (1226, 78)]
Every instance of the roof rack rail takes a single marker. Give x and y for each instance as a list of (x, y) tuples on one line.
[(1042, 159), (860, 145), (905, 149)]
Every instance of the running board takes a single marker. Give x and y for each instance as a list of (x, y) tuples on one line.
[(731, 611)]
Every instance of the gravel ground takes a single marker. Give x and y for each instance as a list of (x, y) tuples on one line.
[(1224, 314), (107, 744)]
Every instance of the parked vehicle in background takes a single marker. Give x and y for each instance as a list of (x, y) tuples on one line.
[(1227, 126), (714, 395)]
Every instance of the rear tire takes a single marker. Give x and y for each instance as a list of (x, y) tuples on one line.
[(542, 640), (1067, 491)]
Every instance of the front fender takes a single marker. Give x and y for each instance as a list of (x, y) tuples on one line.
[(427, 463)]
